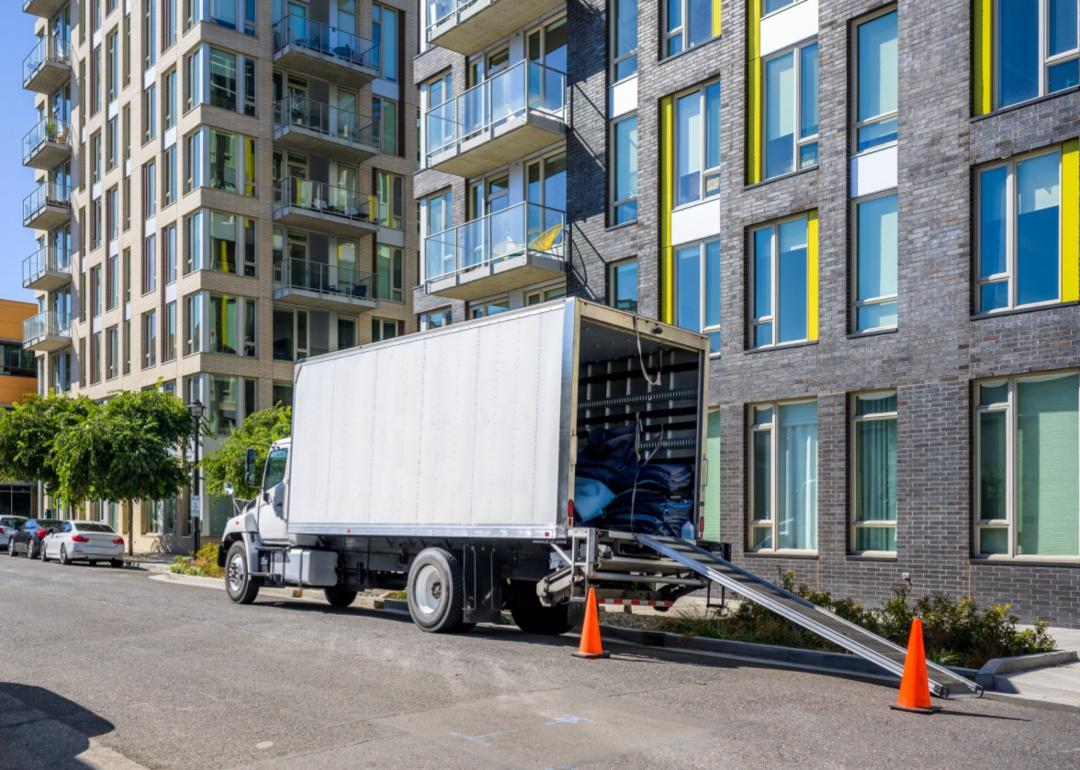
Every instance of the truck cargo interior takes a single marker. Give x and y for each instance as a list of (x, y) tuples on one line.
[(638, 432)]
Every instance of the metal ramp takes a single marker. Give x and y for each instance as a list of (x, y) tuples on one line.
[(856, 639)]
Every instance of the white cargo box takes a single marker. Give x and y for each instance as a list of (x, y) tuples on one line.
[(470, 430)]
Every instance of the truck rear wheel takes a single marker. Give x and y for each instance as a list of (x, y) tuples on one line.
[(437, 591), (339, 597), (534, 618), (239, 584)]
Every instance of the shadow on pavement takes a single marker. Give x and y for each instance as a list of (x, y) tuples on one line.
[(40, 729)]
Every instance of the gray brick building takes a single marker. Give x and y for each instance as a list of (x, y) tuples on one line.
[(871, 208)]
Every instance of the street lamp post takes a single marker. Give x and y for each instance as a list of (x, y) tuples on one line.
[(196, 409)]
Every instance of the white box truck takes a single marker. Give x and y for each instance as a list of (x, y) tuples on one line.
[(444, 463)]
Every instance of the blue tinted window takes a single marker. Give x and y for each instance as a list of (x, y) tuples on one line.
[(763, 273), (780, 115), (1037, 229), (1018, 51), (688, 287), (791, 263)]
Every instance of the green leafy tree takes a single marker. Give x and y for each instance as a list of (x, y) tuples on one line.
[(257, 432), (28, 435), (130, 448)]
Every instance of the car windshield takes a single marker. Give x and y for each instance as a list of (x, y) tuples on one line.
[(91, 526), (11, 521)]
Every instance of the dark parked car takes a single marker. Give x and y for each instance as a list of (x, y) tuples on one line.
[(9, 525), (28, 539)]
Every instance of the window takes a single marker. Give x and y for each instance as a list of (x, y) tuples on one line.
[(624, 39), (127, 275), (112, 213), (95, 358), (873, 489), (149, 189), (385, 124), (16, 362), (126, 202), (389, 199), (1036, 49), (112, 144), (1027, 489), (231, 325), (168, 99), (435, 319), (112, 281), (149, 264), (875, 263), (697, 144), (624, 165), (193, 323), (783, 450), (384, 28), (148, 35), (95, 157), (168, 253), (168, 176), (775, 5), (149, 339), (711, 495), (383, 329), (439, 240), (229, 400), (544, 295), (224, 158), (791, 110), (96, 287), (223, 86), (193, 79), (389, 270), (95, 80), (193, 161), (489, 307), (95, 223), (126, 57), (282, 393), (149, 116), (697, 290), (219, 241), (783, 282), (1020, 231), (112, 66), (168, 23), (112, 352), (876, 82), (689, 23), (623, 285)]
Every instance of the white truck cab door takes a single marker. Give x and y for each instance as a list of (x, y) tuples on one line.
[(272, 496)]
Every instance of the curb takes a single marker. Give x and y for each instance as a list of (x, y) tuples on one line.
[(992, 669)]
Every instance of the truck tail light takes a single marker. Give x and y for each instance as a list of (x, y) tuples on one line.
[(1, 530), (41, 534), (569, 513), (118, 541), (80, 539)]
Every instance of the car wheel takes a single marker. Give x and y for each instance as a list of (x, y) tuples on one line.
[(437, 592), (42, 553), (534, 618), (339, 597), (241, 587), (11, 547), (31, 552), (63, 555)]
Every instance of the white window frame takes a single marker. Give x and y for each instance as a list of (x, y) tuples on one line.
[(856, 419), (612, 269), (707, 172), (703, 285), (800, 142), (1046, 60), (774, 477), (856, 303), (425, 318), (666, 34), (614, 62), (774, 288)]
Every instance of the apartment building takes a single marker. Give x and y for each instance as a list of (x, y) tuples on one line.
[(18, 378), (870, 208), (222, 191)]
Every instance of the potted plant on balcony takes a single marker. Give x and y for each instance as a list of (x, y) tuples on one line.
[(50, 130)]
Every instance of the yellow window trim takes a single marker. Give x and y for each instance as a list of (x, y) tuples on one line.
[(753, 92), (812, 275), (1070, 221), (982, 28), (667, 169), (715, 18)]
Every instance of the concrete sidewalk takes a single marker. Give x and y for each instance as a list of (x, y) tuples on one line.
[(1056, 684)]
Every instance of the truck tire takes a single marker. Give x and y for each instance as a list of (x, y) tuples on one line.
[(437, 592), (339, 597), (534, 618), (239, 584)]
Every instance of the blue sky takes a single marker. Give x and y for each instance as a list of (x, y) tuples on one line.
[(16, 181)]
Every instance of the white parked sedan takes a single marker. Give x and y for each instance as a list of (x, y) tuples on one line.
[(90, 541)]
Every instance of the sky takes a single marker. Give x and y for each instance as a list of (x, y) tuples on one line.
[(16, 118)]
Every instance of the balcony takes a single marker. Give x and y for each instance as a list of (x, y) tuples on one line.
[(47, 207), (510, 115), (46, 269), (46, 9), (314, 127), (510, 249), (303, 283), (46, 145), (317, 49), (468, 26), (47, 66), (323, 207), (47, 332)]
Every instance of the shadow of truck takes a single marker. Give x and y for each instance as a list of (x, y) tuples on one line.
[(41, 729)]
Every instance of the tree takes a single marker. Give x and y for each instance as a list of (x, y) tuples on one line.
[(130, 448), (258, 432), (28, 435)]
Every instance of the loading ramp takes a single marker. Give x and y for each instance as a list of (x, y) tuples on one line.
[(856, 639)]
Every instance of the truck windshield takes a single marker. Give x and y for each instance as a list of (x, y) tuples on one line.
[(275, 467)]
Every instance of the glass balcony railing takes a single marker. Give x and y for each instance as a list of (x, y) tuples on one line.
[(47, 194), (49, 323), (45, 260), (326, 119), (324, 39), (46, 130), (321, 198), (46, 49), (526, 86), (330, 280), (514, 231)]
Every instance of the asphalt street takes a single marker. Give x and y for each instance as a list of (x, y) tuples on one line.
[(109, 668)]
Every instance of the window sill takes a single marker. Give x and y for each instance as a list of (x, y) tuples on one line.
[(807, 555), (1026, 561), (872, 150), (665, 59), (1021, 105), (698, 202), (872, 333), (620, 226), (784, 346), (1022, 310), (788, 175), (873, 557)]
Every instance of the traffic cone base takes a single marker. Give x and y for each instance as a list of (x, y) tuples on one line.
[(931, 710), (590, 645), (914, 695)]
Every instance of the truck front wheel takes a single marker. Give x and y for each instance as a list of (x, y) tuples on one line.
[(437, 591), (534, 618), (239, 584)]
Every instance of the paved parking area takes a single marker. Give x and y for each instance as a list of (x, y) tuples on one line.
[(107, 668)]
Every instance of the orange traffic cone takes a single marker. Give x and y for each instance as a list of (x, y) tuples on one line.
[(590, 646), (915, 685)]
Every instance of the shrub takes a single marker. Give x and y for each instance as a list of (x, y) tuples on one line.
[(203, 564)]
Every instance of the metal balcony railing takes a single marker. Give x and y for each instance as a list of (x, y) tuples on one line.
[(47, 49), (324, 39), (526, 86), (49, 323), (45, 260), (321, 198), (324, 279), (326, 119), (46, 194), (46, 130), (520, 229)]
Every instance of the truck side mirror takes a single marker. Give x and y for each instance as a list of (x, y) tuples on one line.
[(249, 467)]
